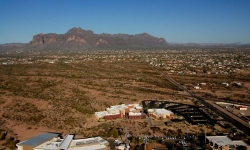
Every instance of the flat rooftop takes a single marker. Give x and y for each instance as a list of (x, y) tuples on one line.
[(119, 107), (134, 114), (66, 141), (224, 140), (35, 141), (87, 142), (91, 147), (101, 113), (162, 111), (49, 145)]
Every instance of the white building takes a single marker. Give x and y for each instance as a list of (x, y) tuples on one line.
[(52, 141), (101, 114), (122, 146), (113, 110), (224, 143), (119, 109), (161, 113), (203, 83), (197, 87), (225, 84)]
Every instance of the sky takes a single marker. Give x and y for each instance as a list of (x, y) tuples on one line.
[(180, 21)]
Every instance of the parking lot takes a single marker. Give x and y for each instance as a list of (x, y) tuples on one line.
[(194, 115), (181, 140)]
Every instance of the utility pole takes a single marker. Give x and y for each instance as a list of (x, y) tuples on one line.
[(145, 141), (205, 135), (126, 141)]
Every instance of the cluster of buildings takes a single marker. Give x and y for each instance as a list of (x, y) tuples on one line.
[(200, 62), (203, 85), (224, 143), (131, 111), (236, 106), (54, 141), (63, 57)]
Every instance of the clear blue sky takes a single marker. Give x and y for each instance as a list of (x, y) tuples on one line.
[(200, 21)]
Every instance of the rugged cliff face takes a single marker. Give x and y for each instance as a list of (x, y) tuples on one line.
[(41, 39), (77, 37)]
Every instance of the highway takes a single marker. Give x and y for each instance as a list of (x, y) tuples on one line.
[(236, 121)]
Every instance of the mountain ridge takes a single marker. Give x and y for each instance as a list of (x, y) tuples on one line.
[(80, 38)]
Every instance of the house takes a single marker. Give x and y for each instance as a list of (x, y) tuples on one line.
[(203, 84), (237, 83), (225, 84), (197, 87)]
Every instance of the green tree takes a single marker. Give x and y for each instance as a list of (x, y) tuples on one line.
[(114, 132), (3, 136), (228, 125), (206, 147)]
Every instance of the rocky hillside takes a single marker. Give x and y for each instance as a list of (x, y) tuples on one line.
[(79, 38)]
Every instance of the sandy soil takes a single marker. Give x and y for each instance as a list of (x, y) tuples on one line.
[(63, 97)]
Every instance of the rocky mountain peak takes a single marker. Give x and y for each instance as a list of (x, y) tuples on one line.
[(79, 31)]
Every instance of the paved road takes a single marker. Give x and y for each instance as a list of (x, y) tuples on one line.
[(150, 121), (236, 121)]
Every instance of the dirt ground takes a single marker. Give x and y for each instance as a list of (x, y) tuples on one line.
[(59, 97), (62, 98)]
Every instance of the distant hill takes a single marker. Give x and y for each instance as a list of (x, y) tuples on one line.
[(77, 38), (11, 46)]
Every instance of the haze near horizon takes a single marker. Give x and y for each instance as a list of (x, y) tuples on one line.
[(224, 21)]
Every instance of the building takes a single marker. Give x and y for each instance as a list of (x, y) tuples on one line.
[(224, 143), (122, 146), (241, 107), (34, 142), (161, 114), (113, 116), (133, 115), (101, 114), (203, 83), (53, 141), (225, 84), (197, 87)]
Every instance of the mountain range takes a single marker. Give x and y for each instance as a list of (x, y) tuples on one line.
[(87, 39), (80, 39)]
